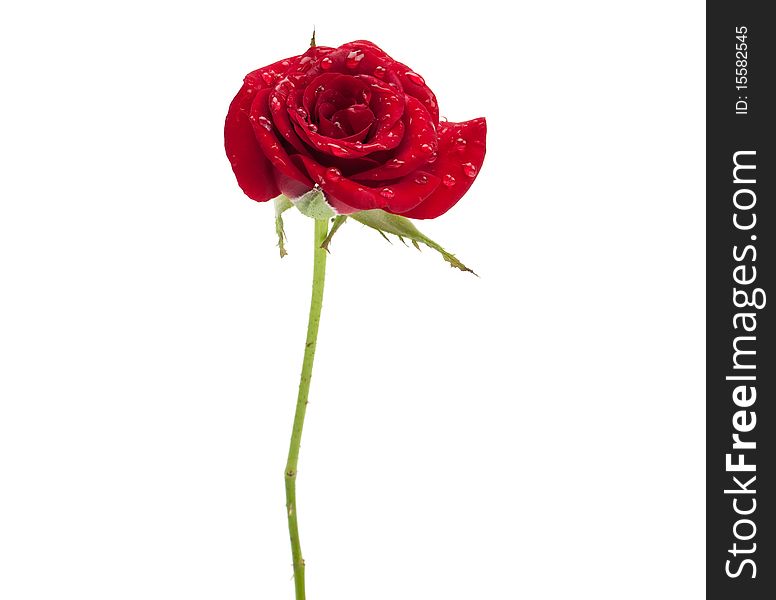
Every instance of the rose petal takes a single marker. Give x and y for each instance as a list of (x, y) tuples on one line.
[(354, 118), (251, 167), (269, 75), (354, 58), (349, 196), (418, 144), (461, 152), (279, 107), (414, 85), (268, 140), (388, 106)]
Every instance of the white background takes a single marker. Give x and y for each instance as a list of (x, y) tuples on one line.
[(537, 433)]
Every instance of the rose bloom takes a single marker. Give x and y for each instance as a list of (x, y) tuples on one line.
[(359, 125)]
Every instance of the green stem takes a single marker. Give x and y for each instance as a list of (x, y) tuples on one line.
[(319, 274)]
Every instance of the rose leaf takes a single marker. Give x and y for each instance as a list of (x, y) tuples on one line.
[(402, 227)]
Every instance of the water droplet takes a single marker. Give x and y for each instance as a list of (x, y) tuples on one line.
[(426, 148), (421, 179), (338, 150), (326, 63), (460, 144), (415, 78), (387, 193), (432, 158), (284, 63), (265, 123), (379, 72), (448, 180), (301, 112), (394, 164), (268, 77), (313, 127), (358, 145), (275, 103), (355, 57), (469, 169), (333, 174), (319, 89)]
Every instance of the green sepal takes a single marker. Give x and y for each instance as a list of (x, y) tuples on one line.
[(337, 222), (282, 204), (313, 204), (402, 227)]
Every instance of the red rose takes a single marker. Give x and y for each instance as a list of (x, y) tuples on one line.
[(358, 124)]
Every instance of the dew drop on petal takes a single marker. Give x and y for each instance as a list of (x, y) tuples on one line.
[(333, 174), (355, 57), (387, 193), (275, 103), (379, 72), (265, 123), (426, 149), (415, 78), (469, 169), (432, 158), (326, 63), (313, 127), (301, 112), (338, 150), (460, 144), (421, 179), (448, 180), (268, 77), (394, 164)]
